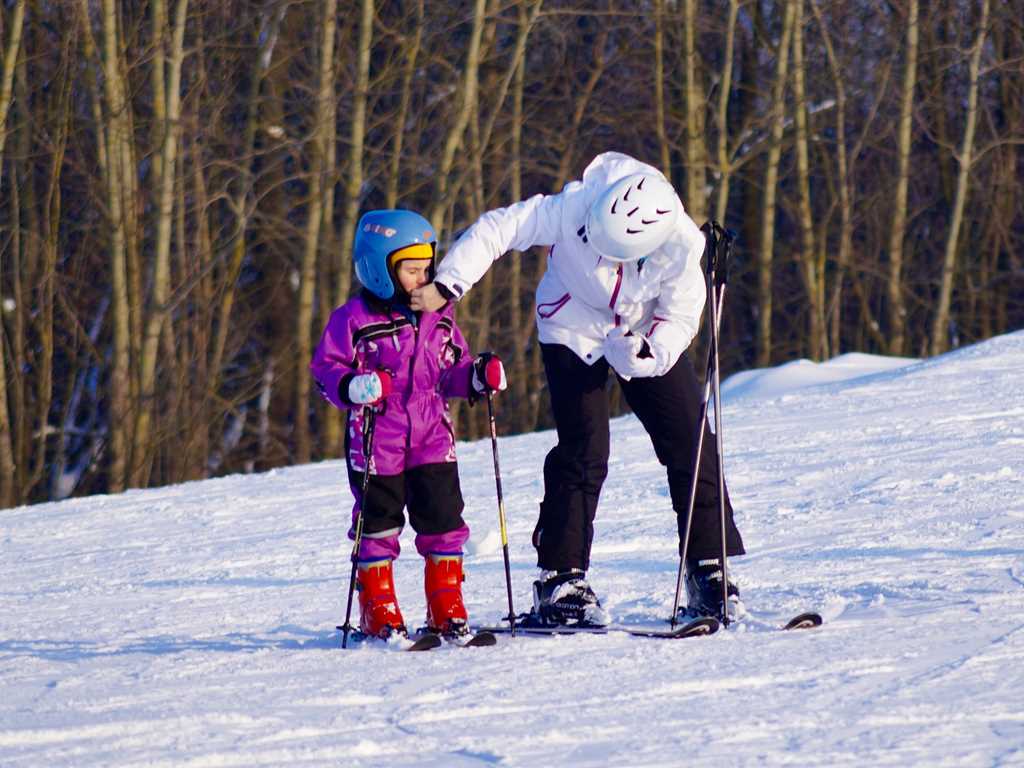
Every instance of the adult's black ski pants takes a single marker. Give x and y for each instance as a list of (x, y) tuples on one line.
[(669, 408)]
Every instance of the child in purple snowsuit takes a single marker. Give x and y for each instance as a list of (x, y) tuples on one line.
[(376, 352)]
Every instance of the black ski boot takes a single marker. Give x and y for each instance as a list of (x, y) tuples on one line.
[(704, 591), (565, 598)]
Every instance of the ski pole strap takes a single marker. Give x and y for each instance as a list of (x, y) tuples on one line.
[(717, 250)]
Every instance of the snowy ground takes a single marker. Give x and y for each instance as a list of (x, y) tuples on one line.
[(194, 625)]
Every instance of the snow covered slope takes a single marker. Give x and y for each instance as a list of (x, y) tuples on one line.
[(194, 625)]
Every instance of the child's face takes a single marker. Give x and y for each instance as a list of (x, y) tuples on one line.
[(413, 273)]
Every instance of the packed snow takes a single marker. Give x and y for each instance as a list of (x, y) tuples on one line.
[(194, 625)]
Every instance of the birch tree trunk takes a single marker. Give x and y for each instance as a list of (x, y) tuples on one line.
[(771, 176), (659, 88), (940, 324), (314, 221), (120, 416), (897, 314), (17, 23), (845, 210), (724, 89), (695, 106), (46, 282), (515, 276), (8, 465), (411, 57), (332, 443), (467, 105), (157, 310), (357, 138), (813, 278)]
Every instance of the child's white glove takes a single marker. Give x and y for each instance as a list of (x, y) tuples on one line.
[(369, 388), (622, 351), (488, 374)]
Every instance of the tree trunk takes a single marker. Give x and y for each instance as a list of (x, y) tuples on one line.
[(813, 278), (8, 466), (157, 311), (771, 176), (897, 314), (940, 325), (314, 221), (659, 88), (845, 208), (411, 57), (695, 106), (357, 138), (467, 105), (120, 415), (724, 89), (332, 443), (518, 381)]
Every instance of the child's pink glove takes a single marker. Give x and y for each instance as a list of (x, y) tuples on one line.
[(488, 373), (369, 388)]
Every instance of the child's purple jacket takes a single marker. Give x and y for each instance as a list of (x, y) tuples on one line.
[(429, 362)]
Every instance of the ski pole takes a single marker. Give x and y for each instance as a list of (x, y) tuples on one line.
[(369, 421), (501, 513), (719, 278), (711, 230)]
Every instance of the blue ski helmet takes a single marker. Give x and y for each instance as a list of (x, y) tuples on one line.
[(378, 235)]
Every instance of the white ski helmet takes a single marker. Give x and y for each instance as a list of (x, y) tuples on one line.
[(632, 218)]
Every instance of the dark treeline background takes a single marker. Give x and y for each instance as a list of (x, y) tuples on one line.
[(180, 181)]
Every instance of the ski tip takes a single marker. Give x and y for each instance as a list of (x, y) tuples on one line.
[(706, 625), (425, 642), (807, 620), (482, 639), (699, 627)]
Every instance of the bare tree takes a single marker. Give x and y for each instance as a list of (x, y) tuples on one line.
[(117, 136), (7, 463), (695, 104), (315, 215), (169, 89), (463, 113), (771, 175), (940, 324), (897, 307)]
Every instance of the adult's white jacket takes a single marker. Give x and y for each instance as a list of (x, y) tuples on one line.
[(582, 295)]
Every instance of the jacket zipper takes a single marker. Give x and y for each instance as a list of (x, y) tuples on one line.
[(618, 285)]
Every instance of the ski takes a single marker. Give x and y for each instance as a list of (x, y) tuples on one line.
[(807, 620), (398, 641), (698, 627)]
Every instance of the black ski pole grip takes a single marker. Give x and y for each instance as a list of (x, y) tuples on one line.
[(728, 236), (710, 230)]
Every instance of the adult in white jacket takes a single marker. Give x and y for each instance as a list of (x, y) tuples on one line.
[(623, 289)]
